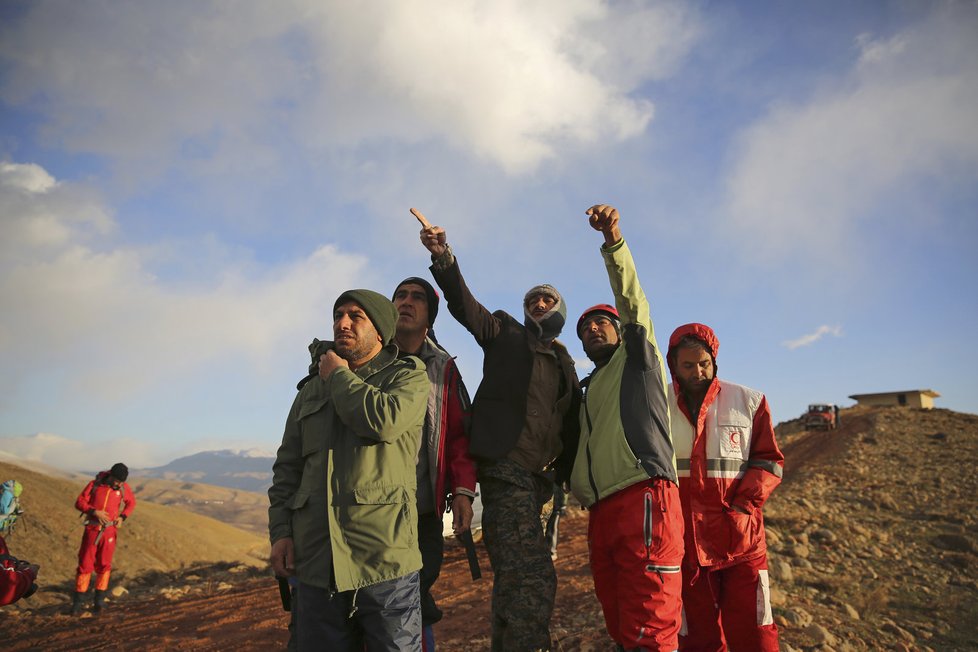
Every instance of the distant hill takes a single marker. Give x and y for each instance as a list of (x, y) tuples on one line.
[(156, 538), (247, 510), (246, 470)]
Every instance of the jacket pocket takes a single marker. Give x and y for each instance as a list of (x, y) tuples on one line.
[(379, 516), (662, 522), (743, 532), (310, 533), (313, 425), (297, 500), (733, 434), (312, 406)]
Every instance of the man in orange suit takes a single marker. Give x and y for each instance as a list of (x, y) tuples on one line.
[(105, 502)]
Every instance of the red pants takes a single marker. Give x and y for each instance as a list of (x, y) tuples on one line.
[(95, 557), (729, 608), (636, 543)]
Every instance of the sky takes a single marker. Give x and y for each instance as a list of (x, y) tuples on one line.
[(186, 187)]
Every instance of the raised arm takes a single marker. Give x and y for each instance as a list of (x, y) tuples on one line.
[(465, 308), (630, 299)]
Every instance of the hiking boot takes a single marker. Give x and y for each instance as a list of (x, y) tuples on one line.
[(99, 603), (76, 603)]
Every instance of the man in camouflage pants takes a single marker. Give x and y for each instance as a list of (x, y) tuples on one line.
[(524, 431)]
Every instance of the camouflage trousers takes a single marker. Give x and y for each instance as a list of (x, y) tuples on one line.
[(524, 582)]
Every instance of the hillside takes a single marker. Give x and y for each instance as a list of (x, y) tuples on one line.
[(247, 510), (157, 538), (874, 532), (872, 538)]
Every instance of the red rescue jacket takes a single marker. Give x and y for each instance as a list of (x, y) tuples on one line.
[(730, 458), (99, 495), (14, 583)]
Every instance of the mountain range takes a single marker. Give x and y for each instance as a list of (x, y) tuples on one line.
[(248, 470)]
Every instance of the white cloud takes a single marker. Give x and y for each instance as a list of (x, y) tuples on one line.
[(28, 177), (811, 338), (583, 366), (94, 310), (903, 115), (72, 455), (222, 84)]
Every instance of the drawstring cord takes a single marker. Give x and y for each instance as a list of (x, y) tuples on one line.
[(353, 603)]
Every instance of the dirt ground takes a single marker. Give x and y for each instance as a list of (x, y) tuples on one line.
[(871, 546), (244, 612)]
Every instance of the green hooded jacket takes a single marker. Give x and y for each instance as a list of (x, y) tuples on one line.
[(344, 480), (625, 435)]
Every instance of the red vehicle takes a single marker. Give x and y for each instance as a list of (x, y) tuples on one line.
[(821, 416)]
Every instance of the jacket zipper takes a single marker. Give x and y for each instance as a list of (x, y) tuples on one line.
[(648, 526), (587, 448)]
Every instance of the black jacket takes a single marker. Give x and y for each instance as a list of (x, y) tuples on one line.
[(499, 406)]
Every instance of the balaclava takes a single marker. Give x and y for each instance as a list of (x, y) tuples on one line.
[(552, 323)]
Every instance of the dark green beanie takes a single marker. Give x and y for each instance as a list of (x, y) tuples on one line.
[(382, 313)]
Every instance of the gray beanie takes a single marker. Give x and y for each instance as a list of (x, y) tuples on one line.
[(380, 310)]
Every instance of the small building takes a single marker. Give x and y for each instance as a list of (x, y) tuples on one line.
[(918, 398)]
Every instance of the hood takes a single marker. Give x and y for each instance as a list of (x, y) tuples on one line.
[(700, 332), (549, 327)]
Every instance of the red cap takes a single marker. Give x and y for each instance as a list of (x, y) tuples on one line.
[(604, 309)]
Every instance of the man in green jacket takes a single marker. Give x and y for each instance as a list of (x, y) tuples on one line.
[(625, 470), (343, 515)]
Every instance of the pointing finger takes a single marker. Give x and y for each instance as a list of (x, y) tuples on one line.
[(418, 214)]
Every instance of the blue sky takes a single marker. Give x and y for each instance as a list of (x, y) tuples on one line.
[(185, 187)]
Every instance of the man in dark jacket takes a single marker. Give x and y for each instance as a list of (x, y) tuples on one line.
[(343, 514), (524, 430)]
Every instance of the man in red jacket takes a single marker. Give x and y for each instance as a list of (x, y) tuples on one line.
[(106, 502), (728, 463), (446, 473)]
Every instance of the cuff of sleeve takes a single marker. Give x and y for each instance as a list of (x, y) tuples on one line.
[(613, 248), (443, 262), (462, 491), (280, 533)]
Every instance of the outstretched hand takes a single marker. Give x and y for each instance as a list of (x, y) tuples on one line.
[(432, 237), (604, 218)]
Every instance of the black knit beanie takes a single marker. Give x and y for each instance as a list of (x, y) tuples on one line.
[(379, 309), (430, 294), (119, 471)]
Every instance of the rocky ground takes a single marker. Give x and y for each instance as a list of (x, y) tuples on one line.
[(874, 534), (872, 538)]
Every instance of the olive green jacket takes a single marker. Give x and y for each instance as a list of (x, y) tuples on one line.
[(344, 480)]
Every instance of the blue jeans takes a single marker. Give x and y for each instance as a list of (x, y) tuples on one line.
[(381, 617)]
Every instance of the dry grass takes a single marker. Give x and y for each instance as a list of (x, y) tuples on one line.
[(157, 537)]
